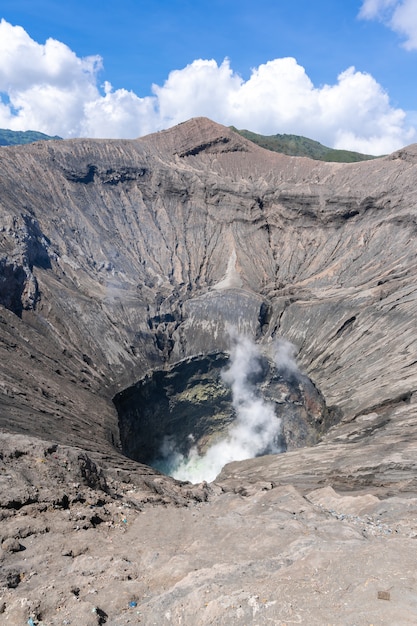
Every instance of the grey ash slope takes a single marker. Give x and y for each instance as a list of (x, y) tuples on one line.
[(118, 257)]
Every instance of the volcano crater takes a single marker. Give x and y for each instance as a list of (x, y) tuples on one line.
[(189, 406)]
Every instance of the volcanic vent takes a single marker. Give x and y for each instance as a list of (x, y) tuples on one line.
[(192, 418)]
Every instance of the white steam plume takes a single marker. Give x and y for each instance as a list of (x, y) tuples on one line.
[(256, 429), (284, 357)]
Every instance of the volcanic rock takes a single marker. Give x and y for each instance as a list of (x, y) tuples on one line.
[(123, 263)]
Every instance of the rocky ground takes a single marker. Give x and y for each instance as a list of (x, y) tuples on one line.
[(81, 545), (120, 258)]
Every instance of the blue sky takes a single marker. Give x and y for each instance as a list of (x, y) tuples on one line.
[(137, 44)]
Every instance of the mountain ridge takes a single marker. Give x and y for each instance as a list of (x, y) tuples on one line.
[(18, 137), (297, 145), (292, 145)]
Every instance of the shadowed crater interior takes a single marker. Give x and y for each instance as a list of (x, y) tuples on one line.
[(190, 406)]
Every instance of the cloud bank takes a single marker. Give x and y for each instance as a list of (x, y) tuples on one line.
[(47, 87), (399, 15)]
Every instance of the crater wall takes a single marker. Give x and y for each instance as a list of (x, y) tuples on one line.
[(119, 258)]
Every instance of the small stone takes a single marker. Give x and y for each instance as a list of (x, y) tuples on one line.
[(384, 595), (11, 545), (13, 578)]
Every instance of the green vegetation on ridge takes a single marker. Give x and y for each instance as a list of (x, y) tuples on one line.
[(18, 137), (295, 145)]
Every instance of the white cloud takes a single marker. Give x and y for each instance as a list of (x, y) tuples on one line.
[(372, 9), (47, 87), (119, 113), (399, 15)]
